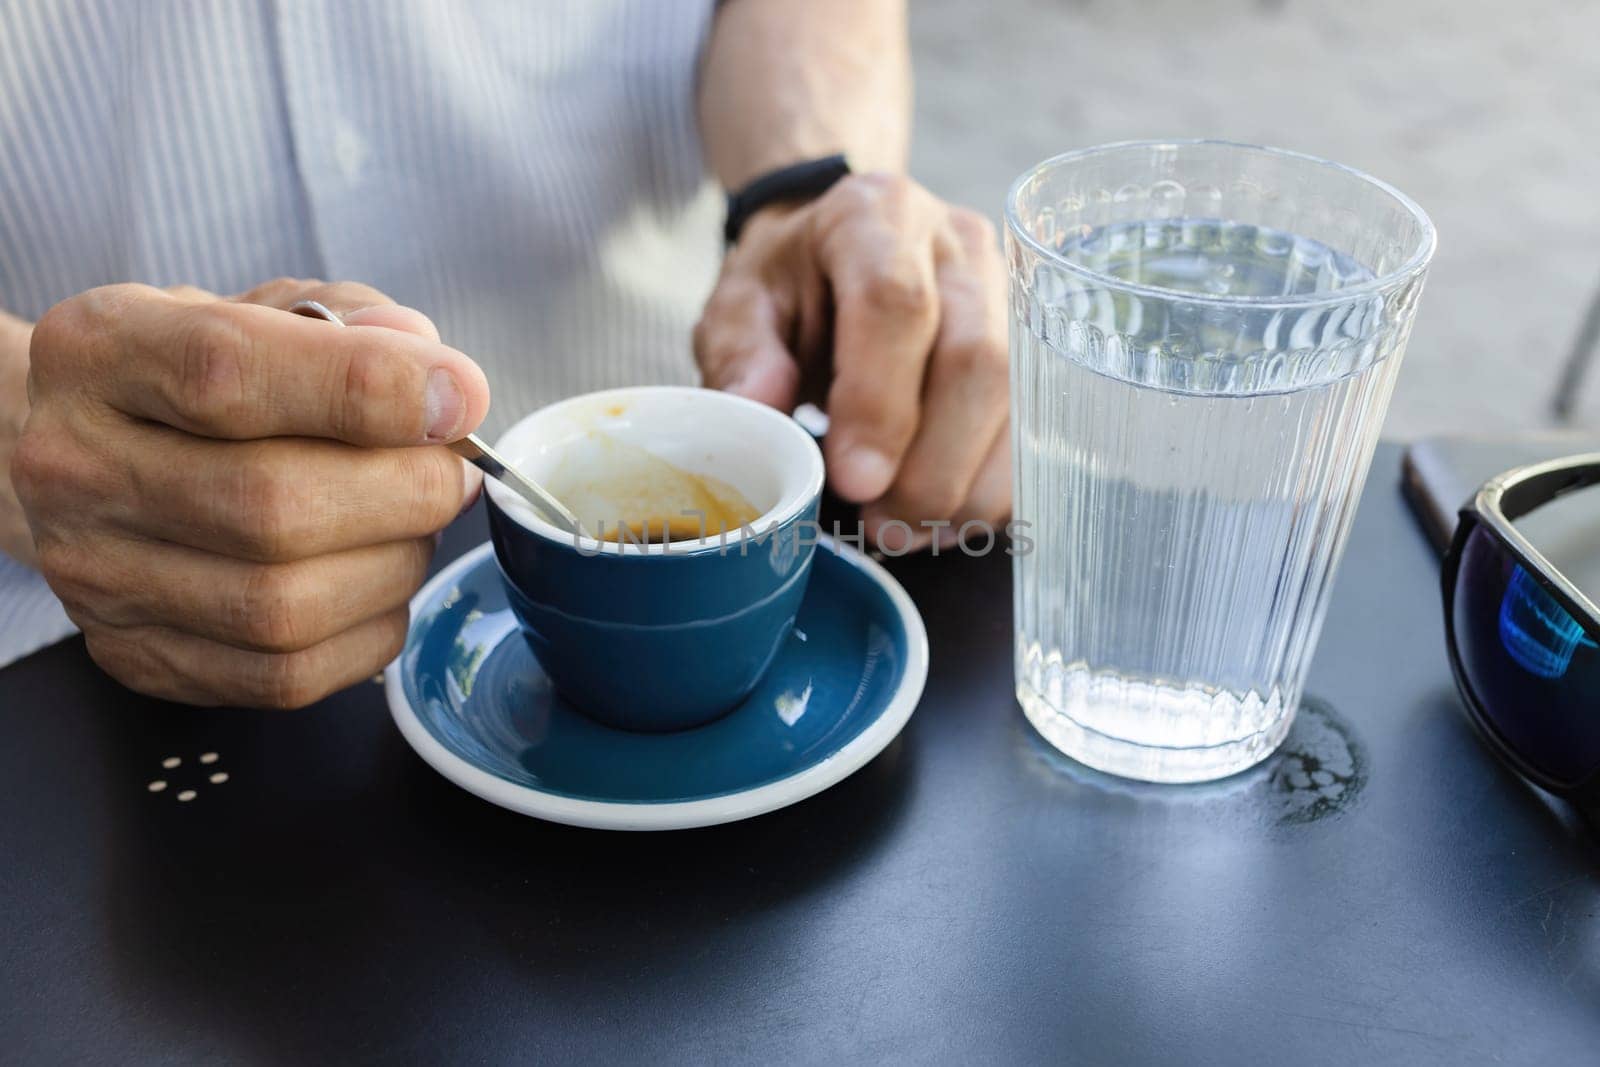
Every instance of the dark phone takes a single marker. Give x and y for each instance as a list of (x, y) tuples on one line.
[(1440, 474)]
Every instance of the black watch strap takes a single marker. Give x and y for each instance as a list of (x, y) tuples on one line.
[(799, 181)]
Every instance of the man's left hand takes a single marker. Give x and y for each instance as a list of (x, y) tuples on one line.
[(895, 301)]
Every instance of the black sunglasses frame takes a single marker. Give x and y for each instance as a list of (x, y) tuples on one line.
[(1501, 500)]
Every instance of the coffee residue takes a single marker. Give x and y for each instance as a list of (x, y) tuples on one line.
[(621, 492), (715, 507)]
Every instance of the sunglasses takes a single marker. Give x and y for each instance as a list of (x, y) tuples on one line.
[(1524, 641)]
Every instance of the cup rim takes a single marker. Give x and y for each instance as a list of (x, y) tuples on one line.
[(786, 509), (1415, 264)]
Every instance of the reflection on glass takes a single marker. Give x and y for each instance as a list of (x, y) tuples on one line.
[(1537, 632)]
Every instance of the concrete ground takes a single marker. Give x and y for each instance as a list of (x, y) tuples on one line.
[(1487, 113)]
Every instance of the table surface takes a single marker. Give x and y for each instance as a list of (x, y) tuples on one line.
[(1380, 890)]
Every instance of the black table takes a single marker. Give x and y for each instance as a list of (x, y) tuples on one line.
[(1381, 890)]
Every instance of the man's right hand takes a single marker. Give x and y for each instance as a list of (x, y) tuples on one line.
[(235, 503)]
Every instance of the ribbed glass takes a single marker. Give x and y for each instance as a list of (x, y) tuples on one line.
[(1204, 338)]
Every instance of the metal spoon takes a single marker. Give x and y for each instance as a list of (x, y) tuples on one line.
[(474, 450)]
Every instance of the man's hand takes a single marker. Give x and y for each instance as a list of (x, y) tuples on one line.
[(907, 296), (235, 503)]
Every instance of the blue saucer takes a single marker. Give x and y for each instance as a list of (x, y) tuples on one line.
[(470, 698)]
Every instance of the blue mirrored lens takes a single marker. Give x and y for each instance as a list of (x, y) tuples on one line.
[(1534, 670), (1535, 629)]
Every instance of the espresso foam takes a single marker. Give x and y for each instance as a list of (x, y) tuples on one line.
[(619, 491)]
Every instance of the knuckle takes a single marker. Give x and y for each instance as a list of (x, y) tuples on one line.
[(106, 304), (434, 475), (60, 329), (897, 187), (850, 200), (974, 227), (273, 609), (900, 183), (899, 292), (60, 564), (895, 195), (268, 534), (882, 183), (213, 345), (267, 507), (36, 465), (88, 593), (367, 398), (929, 495), (966, 360), (856, 191), (983, 364), (877, 419), (289, 680), (50, 468), (143, 661), (68, 332), (112, 652)]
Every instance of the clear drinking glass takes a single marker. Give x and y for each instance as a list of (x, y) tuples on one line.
[(1204, 337)]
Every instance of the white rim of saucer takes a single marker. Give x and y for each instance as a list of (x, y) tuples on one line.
[(678, 814)]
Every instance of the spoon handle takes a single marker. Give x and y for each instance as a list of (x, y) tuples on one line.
[(473, 449)]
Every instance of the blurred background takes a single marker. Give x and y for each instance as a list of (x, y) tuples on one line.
[(1487, 114)]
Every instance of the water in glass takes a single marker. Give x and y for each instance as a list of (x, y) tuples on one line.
[(1190, 441)]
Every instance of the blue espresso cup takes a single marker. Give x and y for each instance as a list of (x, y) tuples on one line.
[(657, 636)]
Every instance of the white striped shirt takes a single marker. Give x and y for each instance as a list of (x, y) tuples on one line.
[(526, 172)]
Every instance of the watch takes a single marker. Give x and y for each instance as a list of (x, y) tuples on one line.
[(798, 181)]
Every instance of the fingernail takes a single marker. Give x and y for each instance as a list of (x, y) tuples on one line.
[(868, 471), (894, 539), (446, 406), (471, 487), (901, 538)]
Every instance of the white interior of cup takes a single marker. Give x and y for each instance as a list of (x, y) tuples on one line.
[(764, 454)]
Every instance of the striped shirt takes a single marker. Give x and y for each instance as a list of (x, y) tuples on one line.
[(527, 173)]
